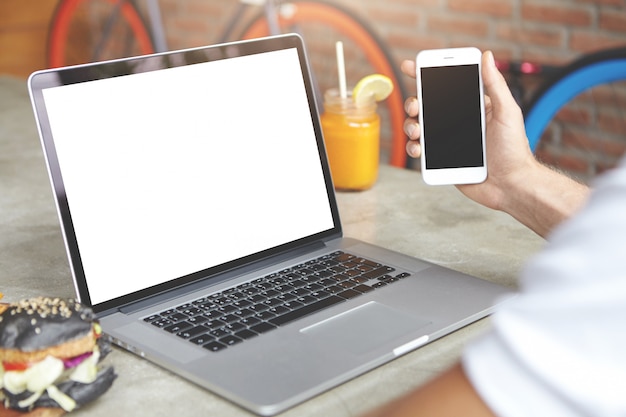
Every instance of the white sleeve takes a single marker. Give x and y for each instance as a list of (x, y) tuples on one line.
[(559, 348)]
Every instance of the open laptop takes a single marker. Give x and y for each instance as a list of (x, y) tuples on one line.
[(200, 221)]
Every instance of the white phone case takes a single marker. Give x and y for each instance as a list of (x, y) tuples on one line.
[(451, 164)]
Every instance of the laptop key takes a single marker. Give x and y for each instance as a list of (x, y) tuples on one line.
[(219, 333), (363, 288), (241, 304), (300, 292), (347, 294), (250, 321), (257, 298), (193, 311), (230, 318), (265, 315), (278, 310), (152, 318), (227, 309), (378, 272), (235, 327), (344, 257), (307, 299), (246, 334), (272, 302), (177, 327), (212, 315), (334, 289), (230, 340), (214, 346), (262, 327), (286, 297), (320, 294), (202, 339), (293, 305), (161, 323), (258, 308), (245, 312), (214, 324), (197, 320), (194, 331), (177, 317)]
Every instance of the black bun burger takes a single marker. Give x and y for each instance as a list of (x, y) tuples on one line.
[(49, 354)]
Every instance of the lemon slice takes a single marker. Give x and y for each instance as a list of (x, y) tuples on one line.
[(378, 85)]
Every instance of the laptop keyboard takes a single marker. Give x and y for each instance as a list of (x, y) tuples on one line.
[(229, 317)]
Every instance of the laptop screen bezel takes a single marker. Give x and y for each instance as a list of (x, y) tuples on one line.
[(41, 80)]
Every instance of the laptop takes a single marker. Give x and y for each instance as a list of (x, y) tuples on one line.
[(200, 221)]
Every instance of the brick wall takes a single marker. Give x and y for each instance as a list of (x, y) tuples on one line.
[(545, 31)]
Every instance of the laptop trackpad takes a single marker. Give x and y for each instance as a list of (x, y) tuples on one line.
[(365, 328)]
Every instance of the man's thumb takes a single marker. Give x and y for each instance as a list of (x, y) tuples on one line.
[(495, 84)]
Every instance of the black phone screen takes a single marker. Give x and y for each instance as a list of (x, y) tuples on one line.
[(451, 116)]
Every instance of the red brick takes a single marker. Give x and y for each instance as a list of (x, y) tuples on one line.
[(600, 3), (612, 122), (550, 37), (592, 143), (458, 25), (613, 20), (416, 42), (418, 4), (576, 115), (611, 95), (571, 163), (500, 8), (587, 41), (565, 15), (394, 17)]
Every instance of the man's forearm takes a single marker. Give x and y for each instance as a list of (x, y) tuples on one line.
[(545, 199), (448, 395)]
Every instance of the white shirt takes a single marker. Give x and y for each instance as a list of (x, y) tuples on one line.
[(559, 349)]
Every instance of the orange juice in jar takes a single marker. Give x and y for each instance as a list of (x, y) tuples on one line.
[(352, 138)]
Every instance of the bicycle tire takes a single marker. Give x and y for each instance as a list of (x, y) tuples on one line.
[(360, 32), (64, 47), (589, 71)]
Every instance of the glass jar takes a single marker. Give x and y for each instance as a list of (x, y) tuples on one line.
[(352, 139)]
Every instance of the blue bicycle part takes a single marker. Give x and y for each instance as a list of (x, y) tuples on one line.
[(587, 72)]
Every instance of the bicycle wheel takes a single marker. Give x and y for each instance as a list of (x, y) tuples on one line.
[(582, 107), (84, 31), (321, 25)]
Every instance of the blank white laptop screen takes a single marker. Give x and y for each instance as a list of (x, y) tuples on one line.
[(152, 167)]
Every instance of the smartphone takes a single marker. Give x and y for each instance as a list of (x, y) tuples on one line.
[(452, 116)]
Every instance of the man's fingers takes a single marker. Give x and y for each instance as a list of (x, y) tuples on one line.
[(411, 128), (411, 107), (413, 148), (408, 67)]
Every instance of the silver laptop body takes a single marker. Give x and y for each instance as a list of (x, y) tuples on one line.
[(185, 177)]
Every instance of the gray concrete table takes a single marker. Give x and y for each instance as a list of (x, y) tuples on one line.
[(400, 212)]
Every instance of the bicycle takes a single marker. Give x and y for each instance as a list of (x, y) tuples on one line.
[(582, 105), (86, 31)]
